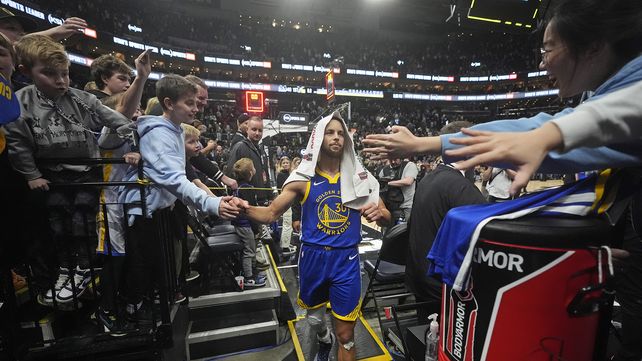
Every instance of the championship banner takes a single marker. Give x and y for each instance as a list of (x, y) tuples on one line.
[(9, 106)]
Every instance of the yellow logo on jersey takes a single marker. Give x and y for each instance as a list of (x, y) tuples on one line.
[(332, 214)]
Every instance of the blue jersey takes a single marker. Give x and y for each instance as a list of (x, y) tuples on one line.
[(324, 219)]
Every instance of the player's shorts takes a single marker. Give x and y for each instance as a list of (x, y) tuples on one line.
[(330, 274)]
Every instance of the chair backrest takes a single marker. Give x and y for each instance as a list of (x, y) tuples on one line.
[(394, 248)]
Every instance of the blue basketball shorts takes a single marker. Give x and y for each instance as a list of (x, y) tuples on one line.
[(330, 274)]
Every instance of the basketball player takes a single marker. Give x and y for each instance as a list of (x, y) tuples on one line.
[(330, 233)]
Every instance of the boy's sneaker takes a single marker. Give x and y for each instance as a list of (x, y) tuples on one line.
[(324, 349), (288, 251), (261, 277), (63, 280), (112, 324), (254, 282), (80, 280), (192, 275)]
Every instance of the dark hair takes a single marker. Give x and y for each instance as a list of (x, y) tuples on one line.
[(105, 66), (582, 23), (242, 119), (174, 87), (455, 127)]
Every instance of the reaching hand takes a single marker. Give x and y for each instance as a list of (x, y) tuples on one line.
[(398, 144), (525, 150), (372, 212), (296, 226), (228, 208), (143, 65), (132, 158), (242, 204), (40, 184), (230, 182), (68, 28)]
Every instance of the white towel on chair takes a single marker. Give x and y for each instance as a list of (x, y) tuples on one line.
[(358, 186)]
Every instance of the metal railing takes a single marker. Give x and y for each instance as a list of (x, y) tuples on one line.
[(33, 329)]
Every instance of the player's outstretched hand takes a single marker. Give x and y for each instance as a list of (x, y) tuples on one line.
[(372, 212), (242, 204), (398, 144), (228, 208)]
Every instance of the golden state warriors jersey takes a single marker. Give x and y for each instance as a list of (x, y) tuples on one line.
[(325, 221)]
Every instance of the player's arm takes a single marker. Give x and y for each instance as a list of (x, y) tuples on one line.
[(290, 193), (377, 213)]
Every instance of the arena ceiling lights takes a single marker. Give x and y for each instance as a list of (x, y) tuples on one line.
[(519, 13)]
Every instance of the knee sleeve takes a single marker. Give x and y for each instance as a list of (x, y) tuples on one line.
[(316, 318)]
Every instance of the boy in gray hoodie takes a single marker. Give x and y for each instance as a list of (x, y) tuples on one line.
[(58, 122)]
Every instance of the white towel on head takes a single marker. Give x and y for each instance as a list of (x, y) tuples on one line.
[(358, 186)]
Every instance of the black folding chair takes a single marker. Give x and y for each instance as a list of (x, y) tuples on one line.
[(221, 248), (387, 273)]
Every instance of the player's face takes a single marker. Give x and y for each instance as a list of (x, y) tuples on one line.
[(333, 139)]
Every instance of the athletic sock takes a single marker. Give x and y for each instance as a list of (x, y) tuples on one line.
[(326, 336)]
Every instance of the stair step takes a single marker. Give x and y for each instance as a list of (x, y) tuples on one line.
[(224, 321), (240, 309), (215, 299), (231, 333)]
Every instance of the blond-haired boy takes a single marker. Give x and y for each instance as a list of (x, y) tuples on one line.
[(59, 122)]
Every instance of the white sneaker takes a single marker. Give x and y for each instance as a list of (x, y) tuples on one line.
[(63, 279), (80, 281)]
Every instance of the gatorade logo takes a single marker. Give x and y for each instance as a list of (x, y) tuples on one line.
[(499, 260)]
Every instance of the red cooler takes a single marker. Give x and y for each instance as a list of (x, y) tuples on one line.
[(534, 294)]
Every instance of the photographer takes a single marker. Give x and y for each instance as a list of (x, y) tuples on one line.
[(398, 187)]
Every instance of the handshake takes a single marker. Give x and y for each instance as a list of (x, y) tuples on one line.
[(230, 207)]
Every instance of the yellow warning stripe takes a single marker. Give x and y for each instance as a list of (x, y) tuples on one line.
[(301, 304), (276, 270), (295, 338), (386, 355), (600, 187)]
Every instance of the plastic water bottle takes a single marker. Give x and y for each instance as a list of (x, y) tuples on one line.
[(432, 338)]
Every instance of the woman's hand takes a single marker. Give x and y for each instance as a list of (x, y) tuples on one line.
[(525, 150)]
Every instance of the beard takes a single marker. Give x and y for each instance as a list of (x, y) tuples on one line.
[(328, 152)]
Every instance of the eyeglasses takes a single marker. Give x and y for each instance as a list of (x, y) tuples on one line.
[(544, 52)]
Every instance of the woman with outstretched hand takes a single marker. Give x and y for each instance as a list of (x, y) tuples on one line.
[(588, 45)]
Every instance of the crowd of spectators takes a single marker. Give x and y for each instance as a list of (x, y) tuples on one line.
[(492, 53)]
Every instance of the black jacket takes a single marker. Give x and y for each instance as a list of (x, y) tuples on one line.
[(246, 149)]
